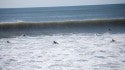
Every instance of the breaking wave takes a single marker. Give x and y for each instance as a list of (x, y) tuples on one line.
[(38, 28)]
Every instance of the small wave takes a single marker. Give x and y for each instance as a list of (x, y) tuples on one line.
[(60, 21), (10, 22), (18, 21)]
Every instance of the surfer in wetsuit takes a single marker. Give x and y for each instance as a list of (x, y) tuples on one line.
[(112, 40), (109, 29), (54, 42), (24, 35), (8, 41)]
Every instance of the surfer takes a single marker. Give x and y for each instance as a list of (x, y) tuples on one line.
[(24, 35), (54, 42), (109, 29), (8, 41), (112, 40)]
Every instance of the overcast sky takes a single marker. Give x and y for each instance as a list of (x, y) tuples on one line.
[(49, 3)]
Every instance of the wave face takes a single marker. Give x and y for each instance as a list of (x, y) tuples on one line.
[(49, 28), (62, 13)]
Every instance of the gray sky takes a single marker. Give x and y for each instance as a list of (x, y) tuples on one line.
[(48, 3)]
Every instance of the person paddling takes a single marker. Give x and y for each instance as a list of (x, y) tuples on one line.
[(112, 40), (54, 42), (109, 29), (8, 41)]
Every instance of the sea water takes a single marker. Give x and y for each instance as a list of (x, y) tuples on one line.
[(27, 38), (62, 13), (73, 52)]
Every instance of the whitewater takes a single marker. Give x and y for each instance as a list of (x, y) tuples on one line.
[(88, 37), (73, 52)]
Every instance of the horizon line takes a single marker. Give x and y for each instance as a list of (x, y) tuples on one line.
[(61, 6)]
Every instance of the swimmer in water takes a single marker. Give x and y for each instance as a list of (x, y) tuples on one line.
[(112, 40), (8, 41), (54, 42)]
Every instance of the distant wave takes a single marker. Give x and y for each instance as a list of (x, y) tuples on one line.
[(85, 26), (23, 21)]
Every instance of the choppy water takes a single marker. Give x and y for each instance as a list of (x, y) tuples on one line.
[(74, 52)]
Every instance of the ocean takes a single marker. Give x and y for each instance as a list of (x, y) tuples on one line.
[(63, 38), (45, 14), (62, 20)]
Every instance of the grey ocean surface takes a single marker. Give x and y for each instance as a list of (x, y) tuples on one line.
[(61, 20), (62, 13), (88, 37)]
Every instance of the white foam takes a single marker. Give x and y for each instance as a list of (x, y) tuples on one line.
[(74, 51)]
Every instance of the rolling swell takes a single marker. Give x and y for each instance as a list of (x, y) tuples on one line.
[(49, 28)]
